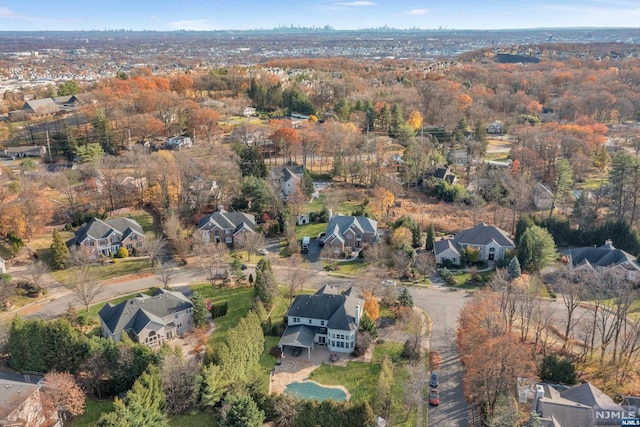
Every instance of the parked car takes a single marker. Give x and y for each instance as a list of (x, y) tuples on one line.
[(244, 267), (263, 251), (434, 381), (434, 397), (389, 282)]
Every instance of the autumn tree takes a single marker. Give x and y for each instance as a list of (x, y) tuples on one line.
[(64, 393), (371, 305)]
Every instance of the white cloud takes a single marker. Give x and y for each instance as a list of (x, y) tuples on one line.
[(192, 25), (5, 12), (356, 3), (417, 12)]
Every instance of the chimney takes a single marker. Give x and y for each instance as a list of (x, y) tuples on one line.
[(220, 208), (539, 395), (330, 213), (358, 314), (608, 242)]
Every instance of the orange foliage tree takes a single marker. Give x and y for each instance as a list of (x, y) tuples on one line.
[(371, 305)]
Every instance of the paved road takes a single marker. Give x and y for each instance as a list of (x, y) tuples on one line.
[(444, 306)]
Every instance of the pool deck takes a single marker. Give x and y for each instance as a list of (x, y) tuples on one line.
[(297, 369)]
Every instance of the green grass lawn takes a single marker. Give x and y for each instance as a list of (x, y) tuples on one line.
[(120, 267), (93, 410), (195, 419), (311, 230), (350, 268), (388, 348), (358, 377), (386, 312), (145, 219)]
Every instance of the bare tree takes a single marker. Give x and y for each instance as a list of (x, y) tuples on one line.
[(295, 275), (413, 388), (7, 290), (425, 263), (179, 236), (35, 271), (62, 391), (371, 279), (572, 292), (251, 242), (179, 381), (153, 246), (83, 284), (165, 271), (211, 256)]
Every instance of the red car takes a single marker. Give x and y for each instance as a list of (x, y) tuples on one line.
[(434, 397)]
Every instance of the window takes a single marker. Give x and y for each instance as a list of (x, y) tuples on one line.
[(492, 249), (228, 239), (322, 323), (310, 321), (175, 315)]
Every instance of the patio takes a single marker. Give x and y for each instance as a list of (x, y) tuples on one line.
[(297, 369)]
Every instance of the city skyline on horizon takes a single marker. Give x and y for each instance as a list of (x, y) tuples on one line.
[(195, 15)]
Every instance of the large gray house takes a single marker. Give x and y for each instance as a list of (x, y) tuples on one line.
[(151, 320), (328, 319), (223, 226), (106, 237), (606, 256), (346, 233), (492, 242)]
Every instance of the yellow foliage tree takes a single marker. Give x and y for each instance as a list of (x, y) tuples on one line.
[(415, 120), (401, 236), (464, 102), (371, 305)]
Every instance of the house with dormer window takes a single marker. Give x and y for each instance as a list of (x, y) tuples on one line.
[(151, 320), (347, 233), (223, 226), (106, 237), (329, 319)]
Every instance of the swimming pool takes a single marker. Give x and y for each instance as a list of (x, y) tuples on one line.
[(310, 390)]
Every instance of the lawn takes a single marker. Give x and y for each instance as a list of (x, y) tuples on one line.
[(311, 230), (145, 219), (358, 377), (118, 268), (93, 410), (239, 301), (351, 267), (388, 348), (195, 419)]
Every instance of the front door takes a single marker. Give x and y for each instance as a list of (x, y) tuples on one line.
[(322, 340)]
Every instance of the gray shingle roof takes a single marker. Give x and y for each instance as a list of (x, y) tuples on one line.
[(440, 246), (98, 229), (604, 256), (483, 234), (136, 313), (339, 310), (228, 220), (341, 223), (298, 335), (41, 106)]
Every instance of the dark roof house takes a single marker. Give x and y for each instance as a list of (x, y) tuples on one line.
[(490, 240), (225, 226), (350, 232), (327, 318), (605, 256), (106, 237), (148, 319)]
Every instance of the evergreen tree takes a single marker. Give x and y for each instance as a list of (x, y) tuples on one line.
[(558, 370), (404, 298), (59, 252), (212, 385), (265, 286), (431, 237), (199, 310), (252, 163), (536, 249), (397, 119), (524, 222), (514, 268), (241, 411), (339, 168), (143, 406)]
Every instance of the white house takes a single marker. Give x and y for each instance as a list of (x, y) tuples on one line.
[(327, 319), (288, 178), (492, 242), (151, 320)]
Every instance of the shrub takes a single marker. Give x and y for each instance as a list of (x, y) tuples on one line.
[(219, 310), (363, 341), (122, 252)]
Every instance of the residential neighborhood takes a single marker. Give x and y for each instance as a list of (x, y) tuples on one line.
[(310, 226)]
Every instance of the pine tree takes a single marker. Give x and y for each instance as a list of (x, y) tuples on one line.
[(242, 411), (144, 404), (59, 252), (431, 236), (199, 310), (404, 298), (212, 385), (265, 286), (514, 268)]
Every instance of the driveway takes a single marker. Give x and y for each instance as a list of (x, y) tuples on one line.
[(313, 255), (444, 306)]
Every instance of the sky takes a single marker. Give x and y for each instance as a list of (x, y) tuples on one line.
[(168, 15)]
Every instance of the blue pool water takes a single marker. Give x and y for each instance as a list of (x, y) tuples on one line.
[(310, 391)]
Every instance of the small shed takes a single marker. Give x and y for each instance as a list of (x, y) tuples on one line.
[(302, 219)]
